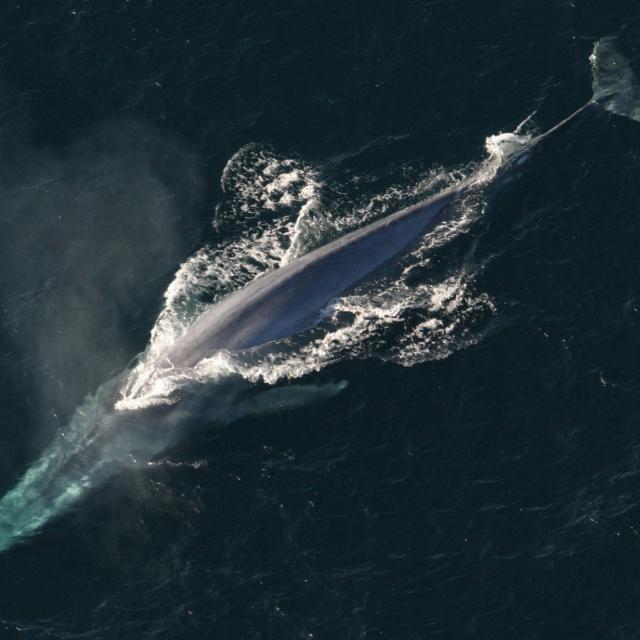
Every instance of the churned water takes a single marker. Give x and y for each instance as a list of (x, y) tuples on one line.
[(452, 452)]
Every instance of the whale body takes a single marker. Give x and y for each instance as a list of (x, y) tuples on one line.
[(288, 300), (100, 439)]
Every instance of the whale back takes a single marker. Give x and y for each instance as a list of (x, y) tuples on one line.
[(289, 299)]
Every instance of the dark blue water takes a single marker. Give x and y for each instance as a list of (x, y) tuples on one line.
[(479, 475)]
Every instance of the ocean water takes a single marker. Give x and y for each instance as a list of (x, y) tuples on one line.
[(453, 452)]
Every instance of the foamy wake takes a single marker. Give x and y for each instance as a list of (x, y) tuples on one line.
[(280, 208)]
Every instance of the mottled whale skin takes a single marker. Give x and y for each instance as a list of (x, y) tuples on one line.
[(288, 300)]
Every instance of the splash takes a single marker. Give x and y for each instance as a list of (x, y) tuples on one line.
[(281, 209)]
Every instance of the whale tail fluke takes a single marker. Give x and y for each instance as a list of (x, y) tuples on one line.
[(615, 87)]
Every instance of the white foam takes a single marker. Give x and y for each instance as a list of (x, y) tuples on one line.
[(281, 210)]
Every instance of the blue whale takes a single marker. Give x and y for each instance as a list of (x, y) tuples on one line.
[(273, 307), (289, 300)]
